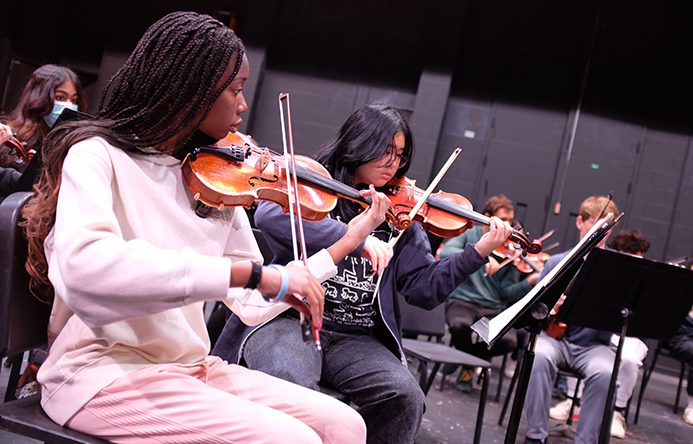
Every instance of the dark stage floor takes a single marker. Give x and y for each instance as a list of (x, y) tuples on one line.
[(451, 414)]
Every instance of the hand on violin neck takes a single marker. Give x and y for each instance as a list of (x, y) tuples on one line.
[(362, 225), (5, 133), (497, 234)]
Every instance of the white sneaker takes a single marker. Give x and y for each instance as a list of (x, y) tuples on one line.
[(560, 411), (618, 426), (688, 415)]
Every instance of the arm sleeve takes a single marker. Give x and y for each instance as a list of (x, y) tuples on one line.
[(421, 279), (513, 289), (104, 278), (275, 225), (252, 309), (454, 245)]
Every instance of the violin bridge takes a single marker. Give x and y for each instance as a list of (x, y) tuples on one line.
[(263, 161)]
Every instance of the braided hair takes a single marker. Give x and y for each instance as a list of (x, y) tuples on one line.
[(160, 95)]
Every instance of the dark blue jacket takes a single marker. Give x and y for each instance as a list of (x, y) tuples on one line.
[(413, 272)]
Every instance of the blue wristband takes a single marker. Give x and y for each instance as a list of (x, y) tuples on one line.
[(284, 287)]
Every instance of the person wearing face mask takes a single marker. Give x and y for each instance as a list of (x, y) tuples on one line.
[(50, 89)]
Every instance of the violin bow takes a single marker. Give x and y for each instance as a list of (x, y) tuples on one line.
[(606, 205), (551, 247), (307, 327), (424, 197), (434, 183), (546, 235)]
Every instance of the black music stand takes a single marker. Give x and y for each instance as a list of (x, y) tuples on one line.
[(532, 311), (627, 295)]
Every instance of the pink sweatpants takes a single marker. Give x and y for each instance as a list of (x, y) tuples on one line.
[(215, 403)]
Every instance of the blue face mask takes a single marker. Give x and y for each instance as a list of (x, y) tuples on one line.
[(58, 107)]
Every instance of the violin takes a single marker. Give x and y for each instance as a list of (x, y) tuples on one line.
[(237, 172), (526, 264), (18, 149), (443, 214)]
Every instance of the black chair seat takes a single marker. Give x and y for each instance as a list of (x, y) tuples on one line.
[(436, 352), (26, 417)]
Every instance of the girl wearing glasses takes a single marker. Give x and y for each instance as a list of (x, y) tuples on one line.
[(361, 356)]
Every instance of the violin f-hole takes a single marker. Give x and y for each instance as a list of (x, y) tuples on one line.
[(252, 181)]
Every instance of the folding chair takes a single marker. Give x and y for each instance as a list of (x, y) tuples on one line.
[(662, 346), (23, 326), (417, 321)]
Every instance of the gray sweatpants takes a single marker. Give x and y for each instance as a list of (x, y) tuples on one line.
[(595, 363)]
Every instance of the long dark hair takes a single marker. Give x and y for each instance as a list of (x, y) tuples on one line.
[(162, 93), (36, 101), (364, 136)]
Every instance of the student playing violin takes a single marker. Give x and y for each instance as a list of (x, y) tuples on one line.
[(485, 294), (114, 239), (361, 356)]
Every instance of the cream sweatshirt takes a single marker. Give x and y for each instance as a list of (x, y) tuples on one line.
[(131, 265)]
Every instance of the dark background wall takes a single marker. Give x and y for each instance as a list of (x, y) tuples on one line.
[(550, 101)]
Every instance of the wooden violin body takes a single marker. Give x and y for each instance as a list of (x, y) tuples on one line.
[(443, 214), (529, 263), (236, 172), (237, 175)]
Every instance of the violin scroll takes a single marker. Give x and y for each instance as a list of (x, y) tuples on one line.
[(18, 149)]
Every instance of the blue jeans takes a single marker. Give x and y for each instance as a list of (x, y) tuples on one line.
[(388, 397)]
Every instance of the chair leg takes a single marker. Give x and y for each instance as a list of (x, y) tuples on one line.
[(509, 395), (501, 376), (646, 373), (575, 400), (423, 372), (442, 381), (431, 377), (682, 373), (482, 406), (15, 366)]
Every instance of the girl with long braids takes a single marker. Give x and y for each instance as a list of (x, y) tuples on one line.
[(361, 354), (114, 241)]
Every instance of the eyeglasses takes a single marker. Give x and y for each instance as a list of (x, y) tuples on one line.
[(393, 156)]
